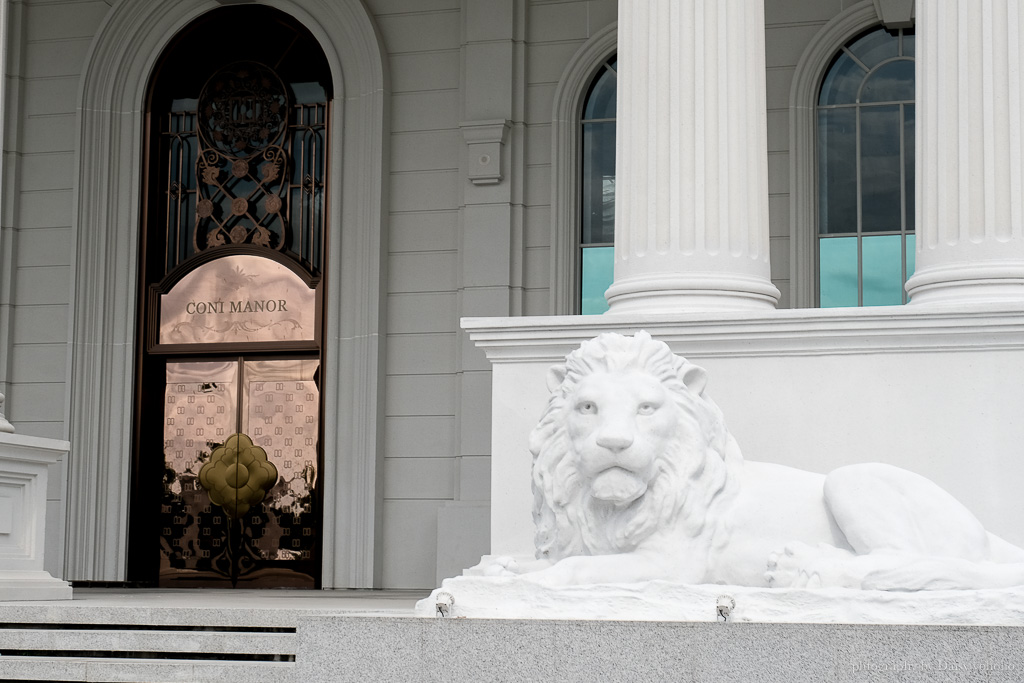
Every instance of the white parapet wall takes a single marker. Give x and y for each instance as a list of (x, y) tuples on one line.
[(23, 474), (938, 390)]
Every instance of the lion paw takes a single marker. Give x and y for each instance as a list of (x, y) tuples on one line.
[(799, 565), (789, 567)]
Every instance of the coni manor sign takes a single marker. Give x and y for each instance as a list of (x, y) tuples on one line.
[(248, 306), (238, 298)]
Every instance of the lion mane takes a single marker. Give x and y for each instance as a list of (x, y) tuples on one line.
[(695, 476)]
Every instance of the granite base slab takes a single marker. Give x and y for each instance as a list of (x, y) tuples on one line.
[(451, 649)]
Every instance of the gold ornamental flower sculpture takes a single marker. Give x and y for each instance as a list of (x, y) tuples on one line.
[(237, 475)]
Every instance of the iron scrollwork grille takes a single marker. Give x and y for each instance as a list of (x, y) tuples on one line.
[(247, 165)]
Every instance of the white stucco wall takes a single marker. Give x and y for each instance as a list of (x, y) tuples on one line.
[(46, 46)]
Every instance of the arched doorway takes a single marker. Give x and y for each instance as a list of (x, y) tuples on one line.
[(227, 428)]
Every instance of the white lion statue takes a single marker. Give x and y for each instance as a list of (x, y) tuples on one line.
[(635, 477)]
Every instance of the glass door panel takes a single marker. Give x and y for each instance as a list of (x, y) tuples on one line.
[(281, 413), (240, 469)]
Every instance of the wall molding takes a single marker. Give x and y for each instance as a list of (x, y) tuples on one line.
[(565, 167), (785, 332), (106, 216)]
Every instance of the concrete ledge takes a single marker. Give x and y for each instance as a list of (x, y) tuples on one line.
[(395, 649)]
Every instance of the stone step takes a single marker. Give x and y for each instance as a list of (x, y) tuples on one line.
[(120, 669), (71, 639), (158, 635)]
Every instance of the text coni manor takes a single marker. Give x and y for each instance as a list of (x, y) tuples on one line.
[(246, 306)]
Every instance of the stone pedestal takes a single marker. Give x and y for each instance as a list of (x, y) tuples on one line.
[(890, 368), (23, 475), (691, 215), (970, 141)]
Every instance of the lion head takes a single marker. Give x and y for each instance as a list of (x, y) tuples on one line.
[(628, 445)]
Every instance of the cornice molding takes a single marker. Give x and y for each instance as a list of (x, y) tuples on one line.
[(790, 332)]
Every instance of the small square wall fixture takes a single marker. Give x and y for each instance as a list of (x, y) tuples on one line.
[(485, 141)]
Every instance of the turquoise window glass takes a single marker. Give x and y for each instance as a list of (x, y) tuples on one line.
[(597, 266), (837, 272), (883, 270), (911, 254)]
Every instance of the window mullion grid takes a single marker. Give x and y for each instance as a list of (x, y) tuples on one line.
[(860, 209)]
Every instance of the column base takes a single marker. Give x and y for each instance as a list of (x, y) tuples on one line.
[(32, 585), (680, 293), (989, 282)]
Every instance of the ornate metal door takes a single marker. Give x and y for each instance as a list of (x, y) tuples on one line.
[(227, 424)]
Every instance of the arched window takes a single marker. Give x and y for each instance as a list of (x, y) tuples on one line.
[(865, 129), (597, 191)]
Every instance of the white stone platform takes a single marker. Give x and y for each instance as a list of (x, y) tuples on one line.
[(518, 598)]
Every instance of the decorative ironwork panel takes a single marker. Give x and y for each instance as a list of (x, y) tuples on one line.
[(247, 166)]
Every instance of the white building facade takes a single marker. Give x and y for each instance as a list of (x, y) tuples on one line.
[(448, 159)]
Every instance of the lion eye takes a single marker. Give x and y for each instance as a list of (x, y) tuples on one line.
[(587, 407), (646, 409)]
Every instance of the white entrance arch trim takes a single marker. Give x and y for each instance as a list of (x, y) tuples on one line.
[(565, 166), (107, 212), (803, 96)]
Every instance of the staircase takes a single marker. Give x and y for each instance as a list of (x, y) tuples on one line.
[(157, 636)]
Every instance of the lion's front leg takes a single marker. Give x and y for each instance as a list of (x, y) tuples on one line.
[(506, 565)]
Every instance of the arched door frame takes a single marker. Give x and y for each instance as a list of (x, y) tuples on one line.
[(107, 214)]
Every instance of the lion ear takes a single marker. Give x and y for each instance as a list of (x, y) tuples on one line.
[(694, 377), (556, 374)]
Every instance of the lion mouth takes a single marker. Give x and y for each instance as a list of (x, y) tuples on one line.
[(618, 486)]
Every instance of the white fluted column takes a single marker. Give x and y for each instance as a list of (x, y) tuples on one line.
[(691, 215), (970, 147)]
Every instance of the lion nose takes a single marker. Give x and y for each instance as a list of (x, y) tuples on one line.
[(614, 440)]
